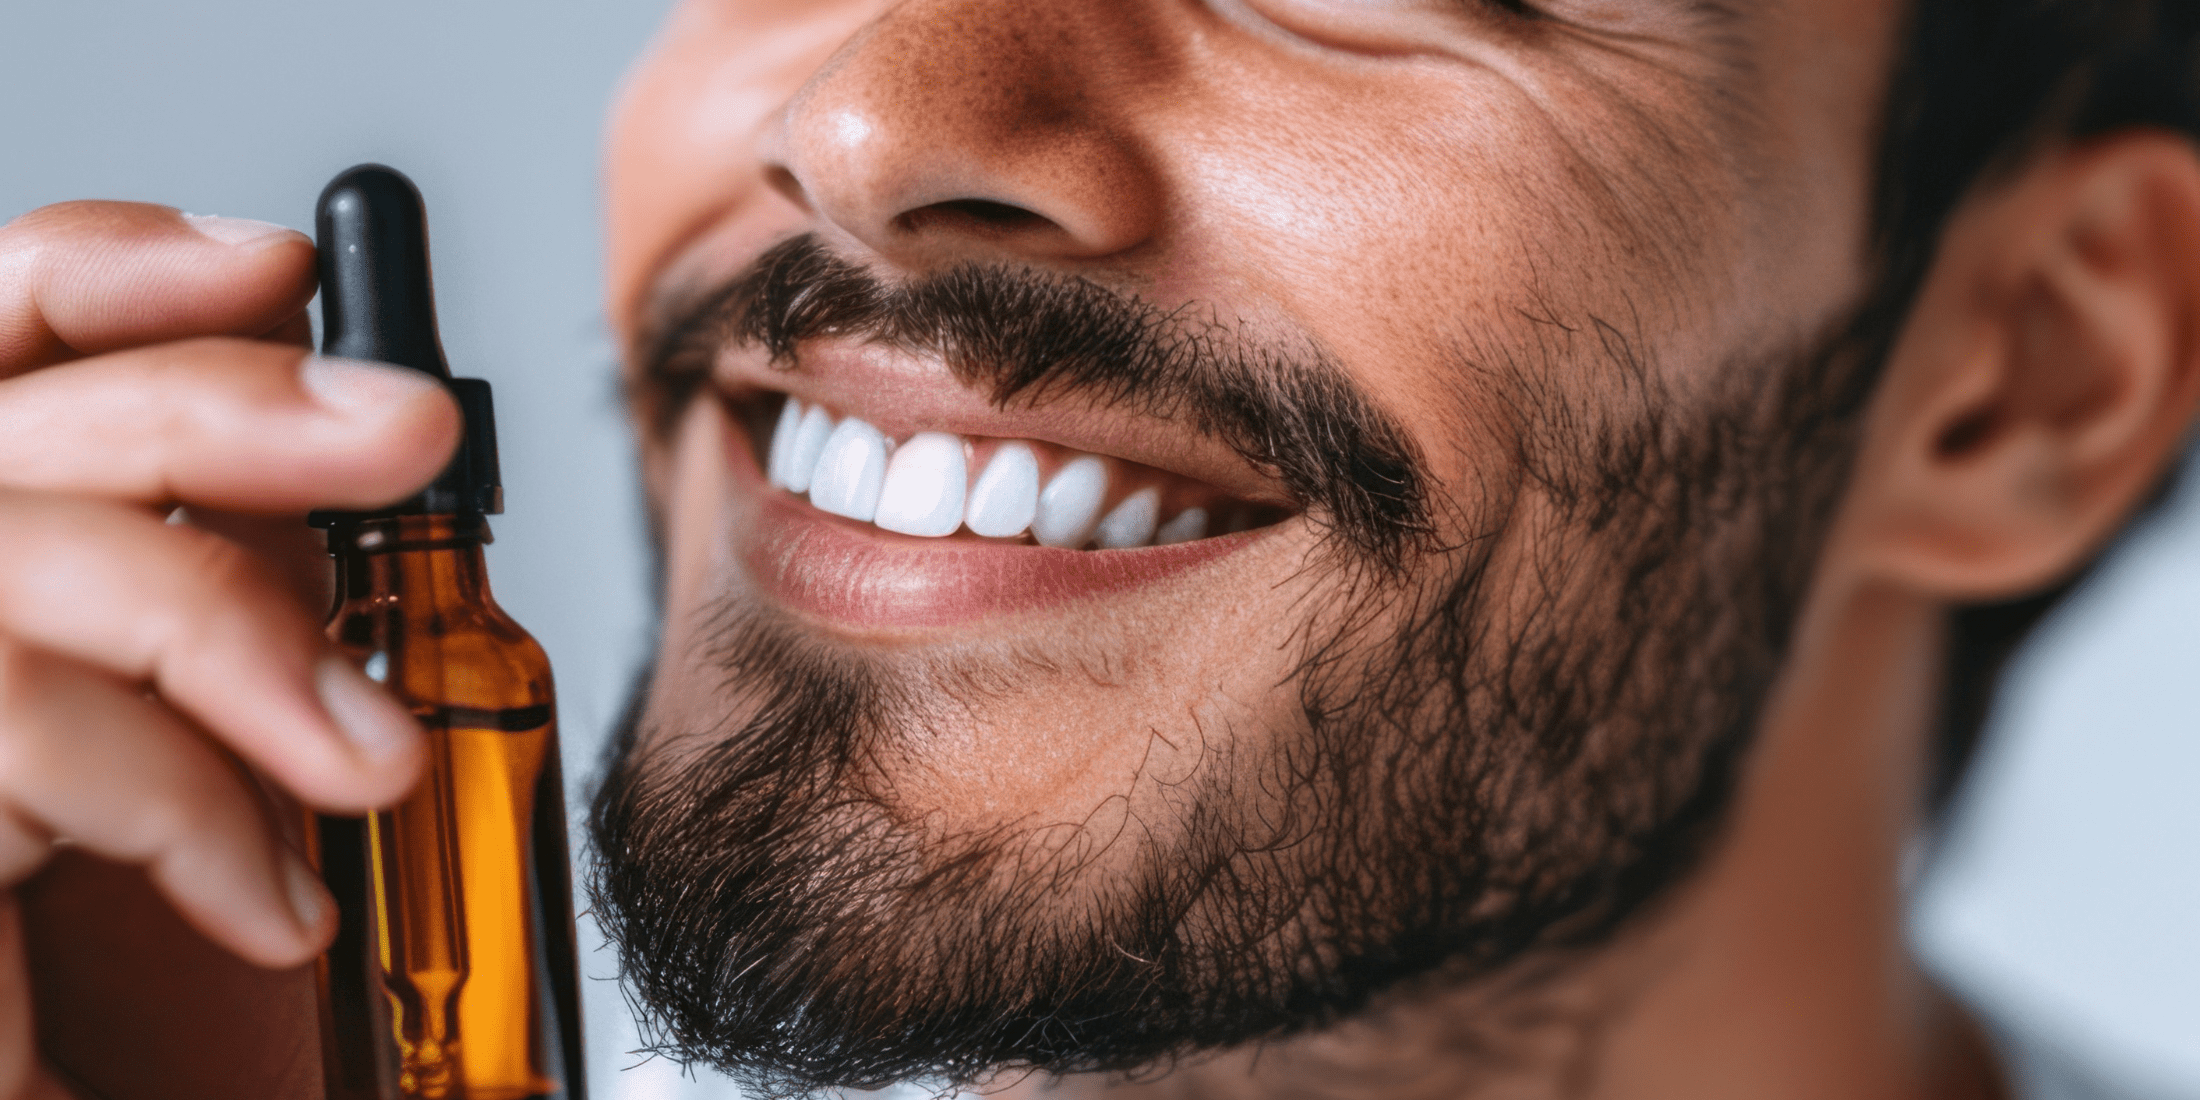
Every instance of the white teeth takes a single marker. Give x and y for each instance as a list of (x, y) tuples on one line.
[(790, 417), (850, 468), (1069, 504), (918, 487), (1006, 496), (1189, 524), (923, 490), (808, 443), (1130, 524)]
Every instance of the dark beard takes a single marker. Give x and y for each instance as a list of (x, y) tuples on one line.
[(1503, 749)]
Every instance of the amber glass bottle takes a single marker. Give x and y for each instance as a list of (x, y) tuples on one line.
[(453, 973), (466, 879)]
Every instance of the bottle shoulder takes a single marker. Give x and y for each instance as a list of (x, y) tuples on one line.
[(465, 655)]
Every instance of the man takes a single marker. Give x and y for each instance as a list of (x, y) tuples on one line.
[(1258, 548)]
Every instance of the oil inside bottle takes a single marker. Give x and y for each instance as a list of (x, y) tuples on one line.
[(452, 974), (419, 911), (466, 891)]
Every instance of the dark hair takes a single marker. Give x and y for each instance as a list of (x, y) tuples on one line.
[(1983, 86)]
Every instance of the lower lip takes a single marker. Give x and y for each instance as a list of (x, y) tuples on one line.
[(858, 575)]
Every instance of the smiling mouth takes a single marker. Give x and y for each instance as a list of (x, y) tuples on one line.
[(921, 528), (1007, 492)]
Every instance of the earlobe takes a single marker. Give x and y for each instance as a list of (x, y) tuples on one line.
[(2047, 377)]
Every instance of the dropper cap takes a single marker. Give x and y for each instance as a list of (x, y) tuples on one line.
[(378, 302)]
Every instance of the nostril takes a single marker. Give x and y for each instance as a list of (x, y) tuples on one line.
[(783, 181), (982, 214), (991, 213)]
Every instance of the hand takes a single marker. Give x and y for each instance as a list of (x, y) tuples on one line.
[(150, 361)]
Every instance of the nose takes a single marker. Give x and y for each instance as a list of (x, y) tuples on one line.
[(976, 129)]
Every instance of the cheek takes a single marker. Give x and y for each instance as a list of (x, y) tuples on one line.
[(1531, 229), (693, 493), (685, 141), (1405, 250)]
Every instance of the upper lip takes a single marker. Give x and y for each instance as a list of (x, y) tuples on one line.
[(901, 393)]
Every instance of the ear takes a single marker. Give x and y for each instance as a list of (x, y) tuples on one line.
[(2047, 376)]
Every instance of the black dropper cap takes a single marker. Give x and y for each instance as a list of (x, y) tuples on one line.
[(378, 302)]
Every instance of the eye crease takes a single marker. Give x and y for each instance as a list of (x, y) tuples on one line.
[(1156, 549)]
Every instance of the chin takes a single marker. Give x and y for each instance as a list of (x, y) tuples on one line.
[(1002, 727)]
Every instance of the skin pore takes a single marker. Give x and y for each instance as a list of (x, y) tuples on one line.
[(1654, 215), (1594, 226), (1564, 294), (1545, 307)]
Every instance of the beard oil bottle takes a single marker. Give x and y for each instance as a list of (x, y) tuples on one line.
[(453, 975)]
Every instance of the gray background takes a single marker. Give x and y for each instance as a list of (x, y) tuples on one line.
[(2068, 892)]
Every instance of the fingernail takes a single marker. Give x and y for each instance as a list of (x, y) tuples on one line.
[(236, 231), (308, 898), (357, 385), (373, 722)]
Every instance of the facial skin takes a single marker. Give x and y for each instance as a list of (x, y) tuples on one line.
[(1555, 732), (1579, 281)]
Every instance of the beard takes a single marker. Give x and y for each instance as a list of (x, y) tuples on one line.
[(1516, 718)]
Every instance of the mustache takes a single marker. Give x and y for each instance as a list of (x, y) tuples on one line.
[(1027, 335)]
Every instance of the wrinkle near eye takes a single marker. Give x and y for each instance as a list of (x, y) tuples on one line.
[(1684, 33), (1705, 24), (1374, 27)]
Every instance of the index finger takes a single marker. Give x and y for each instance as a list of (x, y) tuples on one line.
[(80, 278)]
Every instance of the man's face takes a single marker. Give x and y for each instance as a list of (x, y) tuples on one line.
[(1492, 349)]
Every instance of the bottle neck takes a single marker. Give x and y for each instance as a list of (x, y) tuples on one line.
[(436, 558)]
